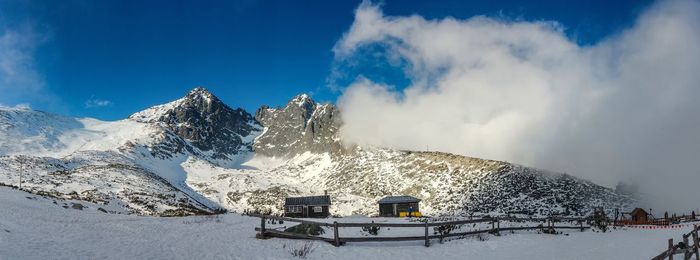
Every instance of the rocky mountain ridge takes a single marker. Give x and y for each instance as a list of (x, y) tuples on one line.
[(196, 154), (204, 121), (300, 126)]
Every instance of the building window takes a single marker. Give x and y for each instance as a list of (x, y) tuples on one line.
[(318, 209), (294, 209)]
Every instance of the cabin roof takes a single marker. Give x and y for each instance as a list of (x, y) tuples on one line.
[(638, 211), (398, 199), (308, 200)]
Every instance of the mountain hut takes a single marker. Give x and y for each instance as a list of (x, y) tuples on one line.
[(399, 206), (307, 207)]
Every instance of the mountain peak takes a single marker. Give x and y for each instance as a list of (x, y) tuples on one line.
[(302, 125), (204, 121), (199, 98), (301, 100), (201, 93)]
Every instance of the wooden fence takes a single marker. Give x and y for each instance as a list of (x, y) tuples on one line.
[(654, 222), (682, 247), (548, 225)]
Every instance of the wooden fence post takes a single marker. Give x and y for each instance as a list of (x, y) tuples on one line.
[(670, 248), (427, 241), (336, 236), (262, 227), (551, 222), (498, 226), (686, 254), (695, 241)]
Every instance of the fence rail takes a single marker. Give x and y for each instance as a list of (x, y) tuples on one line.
[(337, 240), (683, 247)]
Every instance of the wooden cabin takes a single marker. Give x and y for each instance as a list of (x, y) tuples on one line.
[(399, 206), (638, 216), (307, 207)]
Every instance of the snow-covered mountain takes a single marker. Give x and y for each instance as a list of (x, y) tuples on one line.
[(196, 155), (135, 161)]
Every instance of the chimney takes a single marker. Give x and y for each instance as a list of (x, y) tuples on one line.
[(325, 192)]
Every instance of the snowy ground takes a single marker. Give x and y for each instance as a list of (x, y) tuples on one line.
[(37, 228)]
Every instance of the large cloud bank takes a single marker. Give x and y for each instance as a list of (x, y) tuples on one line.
[(626, 108)]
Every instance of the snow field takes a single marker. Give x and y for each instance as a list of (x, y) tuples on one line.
[(37, 229)]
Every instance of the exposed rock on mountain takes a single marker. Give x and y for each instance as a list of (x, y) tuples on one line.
[(204, 121), (301, 126)]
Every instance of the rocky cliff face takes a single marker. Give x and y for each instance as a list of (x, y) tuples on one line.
[(302, 125), (204, 121)]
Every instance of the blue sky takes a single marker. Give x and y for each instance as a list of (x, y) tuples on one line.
[(108, 59)]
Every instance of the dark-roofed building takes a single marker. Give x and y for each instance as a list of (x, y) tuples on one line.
[(307, 207), (638, 216), (399, 206)]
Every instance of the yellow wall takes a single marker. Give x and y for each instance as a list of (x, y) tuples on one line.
[(413, 214)]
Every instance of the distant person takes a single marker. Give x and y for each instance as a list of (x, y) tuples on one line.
[(410, 212)]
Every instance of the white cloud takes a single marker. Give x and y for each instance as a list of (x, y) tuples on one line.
[(622, 109), (93, 102), (16, 107), (20, 80)]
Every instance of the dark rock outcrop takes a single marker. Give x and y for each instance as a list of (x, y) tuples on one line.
[(204, 121), (302, 125)]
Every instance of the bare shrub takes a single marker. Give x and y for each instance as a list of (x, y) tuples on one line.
[(303, 250), (306, 229), (482, 236), (443, 230), (371, 229)]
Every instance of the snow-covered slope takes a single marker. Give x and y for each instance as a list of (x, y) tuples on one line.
[(197, 154), (30, 132), (448, 184), (111, 181), (34, 227)]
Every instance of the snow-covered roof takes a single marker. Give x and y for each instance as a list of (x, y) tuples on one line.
[(398, 199), (310, 200)]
